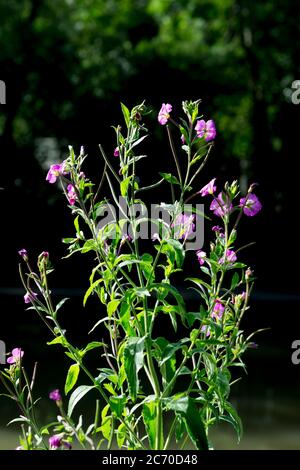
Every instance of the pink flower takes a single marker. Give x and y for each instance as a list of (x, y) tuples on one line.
[(182, 139), (163, 114), (116, 152), (184, 226), (55, 441), (29, 297), (72, 196), (221, 205), (209, 188), (55, 395), (16, 356), (218, 310), (23, 253), (55, 171), (217, 229), (201, 257), (230, 257), (206, 130), (251, 205)]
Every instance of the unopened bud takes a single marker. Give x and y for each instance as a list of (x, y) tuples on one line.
[(248, 273)]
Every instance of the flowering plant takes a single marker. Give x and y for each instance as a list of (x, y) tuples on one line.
[(153, 391)]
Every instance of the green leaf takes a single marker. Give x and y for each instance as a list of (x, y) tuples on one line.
[(234, 281), (112, 307), (192, 419), (68, 240), (138, 141), (171, 348), (109, 388), (170, 178), (121, 435), (150, 420), (72, 377), (105, 423), (60, 304), (168, 367), (58, 340), (126, 114), (88, 246), (205, 270), (90, 346), (117, 404), (199, 282), (76, 225), (175, 251), (90, 290), (77, 395), (124, 316), (124, 185), (108, 374), (234, 419), (141, 292), (133, 362)]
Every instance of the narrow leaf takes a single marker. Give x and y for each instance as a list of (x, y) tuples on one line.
[(72, 377), (77, 395)]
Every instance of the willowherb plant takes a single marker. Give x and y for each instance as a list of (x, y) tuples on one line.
[(154, 393)]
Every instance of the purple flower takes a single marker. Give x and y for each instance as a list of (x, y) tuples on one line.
[(164, 113), (116, 152), (221, 205), (182, 139), (250, 205), (201, 256), (23, 253), (16, 356), (206, 330), (209, 188), (45, 254), (217, 229), (230, 257), (55, 395), (30, 297), (72, 196), (184, 226), (218, 310), (55, 171), (206, 129), (55, 441)]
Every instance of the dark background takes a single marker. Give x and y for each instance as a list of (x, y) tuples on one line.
[(67, 65)]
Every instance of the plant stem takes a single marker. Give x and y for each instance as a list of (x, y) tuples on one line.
[(174, 154)]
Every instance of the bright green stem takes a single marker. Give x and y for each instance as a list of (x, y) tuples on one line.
[(159, 438)]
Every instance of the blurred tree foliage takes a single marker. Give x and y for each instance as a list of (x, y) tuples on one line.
[(68, 63)]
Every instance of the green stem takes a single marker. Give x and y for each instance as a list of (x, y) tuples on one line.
[(174, 155), (170, 433)]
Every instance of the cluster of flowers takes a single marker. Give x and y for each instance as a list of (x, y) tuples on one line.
[(183, 226), (55, 172), (206, 129)]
